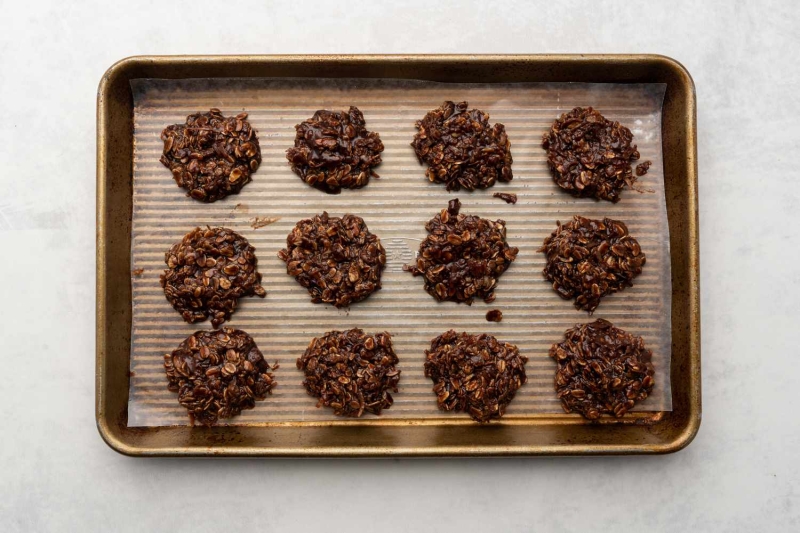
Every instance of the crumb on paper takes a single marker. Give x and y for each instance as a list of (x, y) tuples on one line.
[(509, 198), (260, 222), (494, 315), (137, 272)]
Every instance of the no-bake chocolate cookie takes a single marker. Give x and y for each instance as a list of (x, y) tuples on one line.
[(475, 374), (351, 371), (591, 156), (463, 256), (589, 259), (461, 148), (602, 370), (209, 270), (337, 259), (210, 155), (333, 151), (217, 374)]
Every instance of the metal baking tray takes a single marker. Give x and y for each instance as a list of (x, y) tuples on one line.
[(660, 432)]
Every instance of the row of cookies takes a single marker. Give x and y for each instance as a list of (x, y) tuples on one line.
[(213, 156)]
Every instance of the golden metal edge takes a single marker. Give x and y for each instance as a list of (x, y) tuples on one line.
[(682, 440), (695, 394), (100, 268)]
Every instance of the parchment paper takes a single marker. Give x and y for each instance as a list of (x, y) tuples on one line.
[(395, 208)]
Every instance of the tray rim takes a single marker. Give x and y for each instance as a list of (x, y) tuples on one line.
[(213, 442)]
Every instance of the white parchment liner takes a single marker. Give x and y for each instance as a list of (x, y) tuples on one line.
[(396, 208)]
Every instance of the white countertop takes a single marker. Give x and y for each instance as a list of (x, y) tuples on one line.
[(740, 473)]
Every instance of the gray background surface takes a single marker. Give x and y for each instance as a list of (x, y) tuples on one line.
[(740, 474)]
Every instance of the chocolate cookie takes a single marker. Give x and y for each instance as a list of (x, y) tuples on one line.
[(462, 149), (590, 156), (588, 259), (476, 374), (217, 374), (463, 256), (602, 370), (351, 371), (211, 156), (337, 259), (209, 270), (334, 151)]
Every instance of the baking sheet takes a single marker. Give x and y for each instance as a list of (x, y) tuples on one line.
[(396, 208)]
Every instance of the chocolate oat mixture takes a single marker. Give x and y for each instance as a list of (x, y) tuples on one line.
[(334, 151), (337, 259), (209, 270), (602, 370), (217, 374), (463, 256), (475, 374), (589, 259), (351, 371), (461, 148), (494, 315), (591, 156), (508, 198), (210, 155)]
